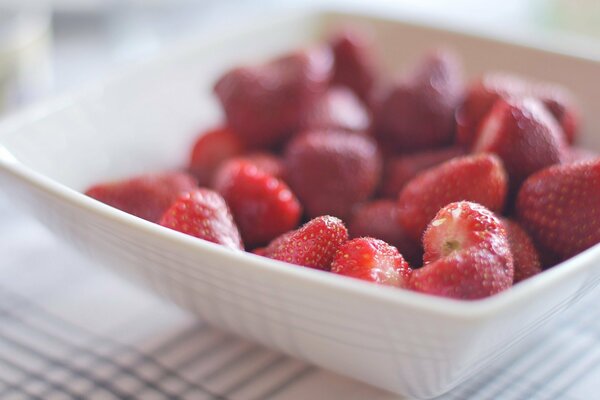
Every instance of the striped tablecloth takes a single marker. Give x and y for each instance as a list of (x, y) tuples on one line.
[(69, 330)]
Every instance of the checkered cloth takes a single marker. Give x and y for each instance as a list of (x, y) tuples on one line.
[(69, 330)]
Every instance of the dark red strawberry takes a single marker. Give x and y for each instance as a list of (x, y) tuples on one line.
[(379, 219), (372, 260), (338, 109), (210, 150), (204, 214), (332, 171), (559, 206), (146, 196), (524, 135), (467, 254), (398, 171), (354, 64), (262, 205), (561, 104), (417, 113), (478, 178), (313, 245), (525, 256), (265, 104)]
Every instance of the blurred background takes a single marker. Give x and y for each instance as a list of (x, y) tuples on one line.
[(48, 47)]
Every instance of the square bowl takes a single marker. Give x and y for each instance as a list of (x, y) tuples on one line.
[(145, 119)]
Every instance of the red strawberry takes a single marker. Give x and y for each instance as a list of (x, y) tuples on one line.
[(313, 245), (562, 106), (559, 207), (399, 171), (354, 65), (576, 154), (372, 260), (481, 96), (467, 254), (146, 196), (379, 219), (204, 214), (267, 163), (525, 256), (524, 135), (264, 104), (210, 150), (262, 205), (418, 112), (332, 171), (339, 109), (479, 178)]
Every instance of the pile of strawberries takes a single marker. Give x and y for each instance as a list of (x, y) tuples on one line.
[(420, 182)]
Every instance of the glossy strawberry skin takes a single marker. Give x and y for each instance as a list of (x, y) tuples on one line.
[(417, 113), (354, 65), (524, 135), (313, 245), (559, 207), (145, 196), (263, 206), (332, 171), (210, 150), (398, 171), (379, 219), (264, 104), (337, 109), (372, 260), (477, 178), (467, 255), (526, 258), (204, 214)]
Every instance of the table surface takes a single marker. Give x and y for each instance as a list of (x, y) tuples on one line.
[(69, 330)]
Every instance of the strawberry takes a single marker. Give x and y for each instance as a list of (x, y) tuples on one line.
[(576, 154), (372, 260), (418, 112), (210, 150), (266, 162), (559, 207), (379, 219), (467, 254), (479, 178), (337, 109), (399, 170), (264, 104), (262, 205), (332, 171), (204, 214), (526, 258), (313, 245), (354, 65), (562, 106), (145, 196), (524, 135)]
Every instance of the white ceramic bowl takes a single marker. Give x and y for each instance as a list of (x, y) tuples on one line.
[(146, 118)]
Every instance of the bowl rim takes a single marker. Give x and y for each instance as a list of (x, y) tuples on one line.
[(471, 310)]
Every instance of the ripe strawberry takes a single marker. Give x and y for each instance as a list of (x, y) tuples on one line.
[(372, 260), (481, 96), (379, 219), (337, 109), (264, 104), (400, 170), (525, 256), (210, 150), (262, 205), (204, 214), (332, 171), (145, 196), (562, 106), (478, 178), (559, 207), (524, 135), (354, 65), (467, 254), (313, 245), (418, 112), (266, 162)]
